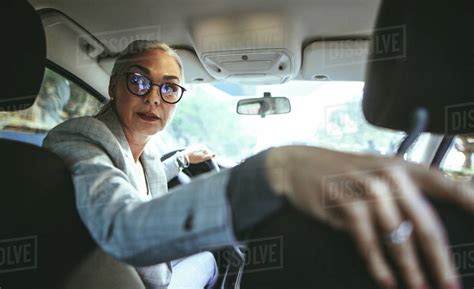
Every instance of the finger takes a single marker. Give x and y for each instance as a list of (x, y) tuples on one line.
[(430, 233), (198, 155), (362, 229), (435, 184), (205, 153), (207, 157), (210, 155), (389, 218), (203, 157)]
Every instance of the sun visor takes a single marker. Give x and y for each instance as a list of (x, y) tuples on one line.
[(342, 60), (74, 49), (422, 57)]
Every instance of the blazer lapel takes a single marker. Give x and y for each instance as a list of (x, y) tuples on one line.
[(156, 179), (111, 120), (123, 156), (155, 174), (157, 184)]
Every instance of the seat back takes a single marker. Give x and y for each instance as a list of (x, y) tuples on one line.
[(43, 242), (41, 235)]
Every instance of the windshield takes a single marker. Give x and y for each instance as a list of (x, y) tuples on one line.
[(326, 114)]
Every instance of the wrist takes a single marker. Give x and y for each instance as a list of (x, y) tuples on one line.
[(182, 160), (276, 164), (186, 158), (251, 197)]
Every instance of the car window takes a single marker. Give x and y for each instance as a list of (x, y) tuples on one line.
[(59, 99), (458, 162), (326, 114)]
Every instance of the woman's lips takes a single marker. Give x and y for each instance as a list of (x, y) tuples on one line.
[(148, 116)]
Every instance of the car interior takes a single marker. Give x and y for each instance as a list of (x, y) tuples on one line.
[(327, 73)]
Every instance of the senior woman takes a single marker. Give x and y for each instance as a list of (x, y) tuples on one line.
[(114, 170), (126, 124)]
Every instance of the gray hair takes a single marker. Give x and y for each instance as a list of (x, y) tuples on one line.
[(140, 46), (134, 49)]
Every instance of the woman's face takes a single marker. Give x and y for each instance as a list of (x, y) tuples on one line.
[(144, 116)]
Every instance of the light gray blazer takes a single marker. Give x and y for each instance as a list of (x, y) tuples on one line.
[(137, 230)]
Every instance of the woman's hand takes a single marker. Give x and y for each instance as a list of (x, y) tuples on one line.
[(198, 154), (370, 197)]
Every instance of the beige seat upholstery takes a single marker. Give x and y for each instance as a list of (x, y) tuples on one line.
[(100, 271)]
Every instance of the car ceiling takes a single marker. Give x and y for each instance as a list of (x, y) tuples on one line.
[(276, 27), (310, 20)]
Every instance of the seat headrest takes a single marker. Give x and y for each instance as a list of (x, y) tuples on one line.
[(24, 62), (422, 56)]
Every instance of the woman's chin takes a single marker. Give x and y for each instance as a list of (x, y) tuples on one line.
[(153, 131), (150, 129)]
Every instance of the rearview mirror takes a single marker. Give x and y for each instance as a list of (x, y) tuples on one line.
[(263, 106)]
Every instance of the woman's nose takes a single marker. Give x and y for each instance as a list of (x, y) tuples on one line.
[(153, 96)]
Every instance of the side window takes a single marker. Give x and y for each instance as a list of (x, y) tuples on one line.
[(458, 162), (59, 99)]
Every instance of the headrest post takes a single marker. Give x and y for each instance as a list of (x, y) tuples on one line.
[(420, 122)]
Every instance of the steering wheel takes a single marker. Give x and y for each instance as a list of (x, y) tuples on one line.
[(192, 171), (201, 168)]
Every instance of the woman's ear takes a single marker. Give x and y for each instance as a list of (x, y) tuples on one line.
[(112, 91)]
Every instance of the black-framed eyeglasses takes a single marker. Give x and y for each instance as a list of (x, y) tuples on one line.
[(140, 85)]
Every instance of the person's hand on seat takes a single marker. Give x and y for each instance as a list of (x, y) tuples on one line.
[(380, 202)]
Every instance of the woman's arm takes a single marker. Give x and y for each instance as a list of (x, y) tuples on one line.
[(370, 197), (193, 218), (192, 156), (366, 196), (171, 167)]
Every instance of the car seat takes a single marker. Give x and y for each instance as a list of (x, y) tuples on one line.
[(43, 243)]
